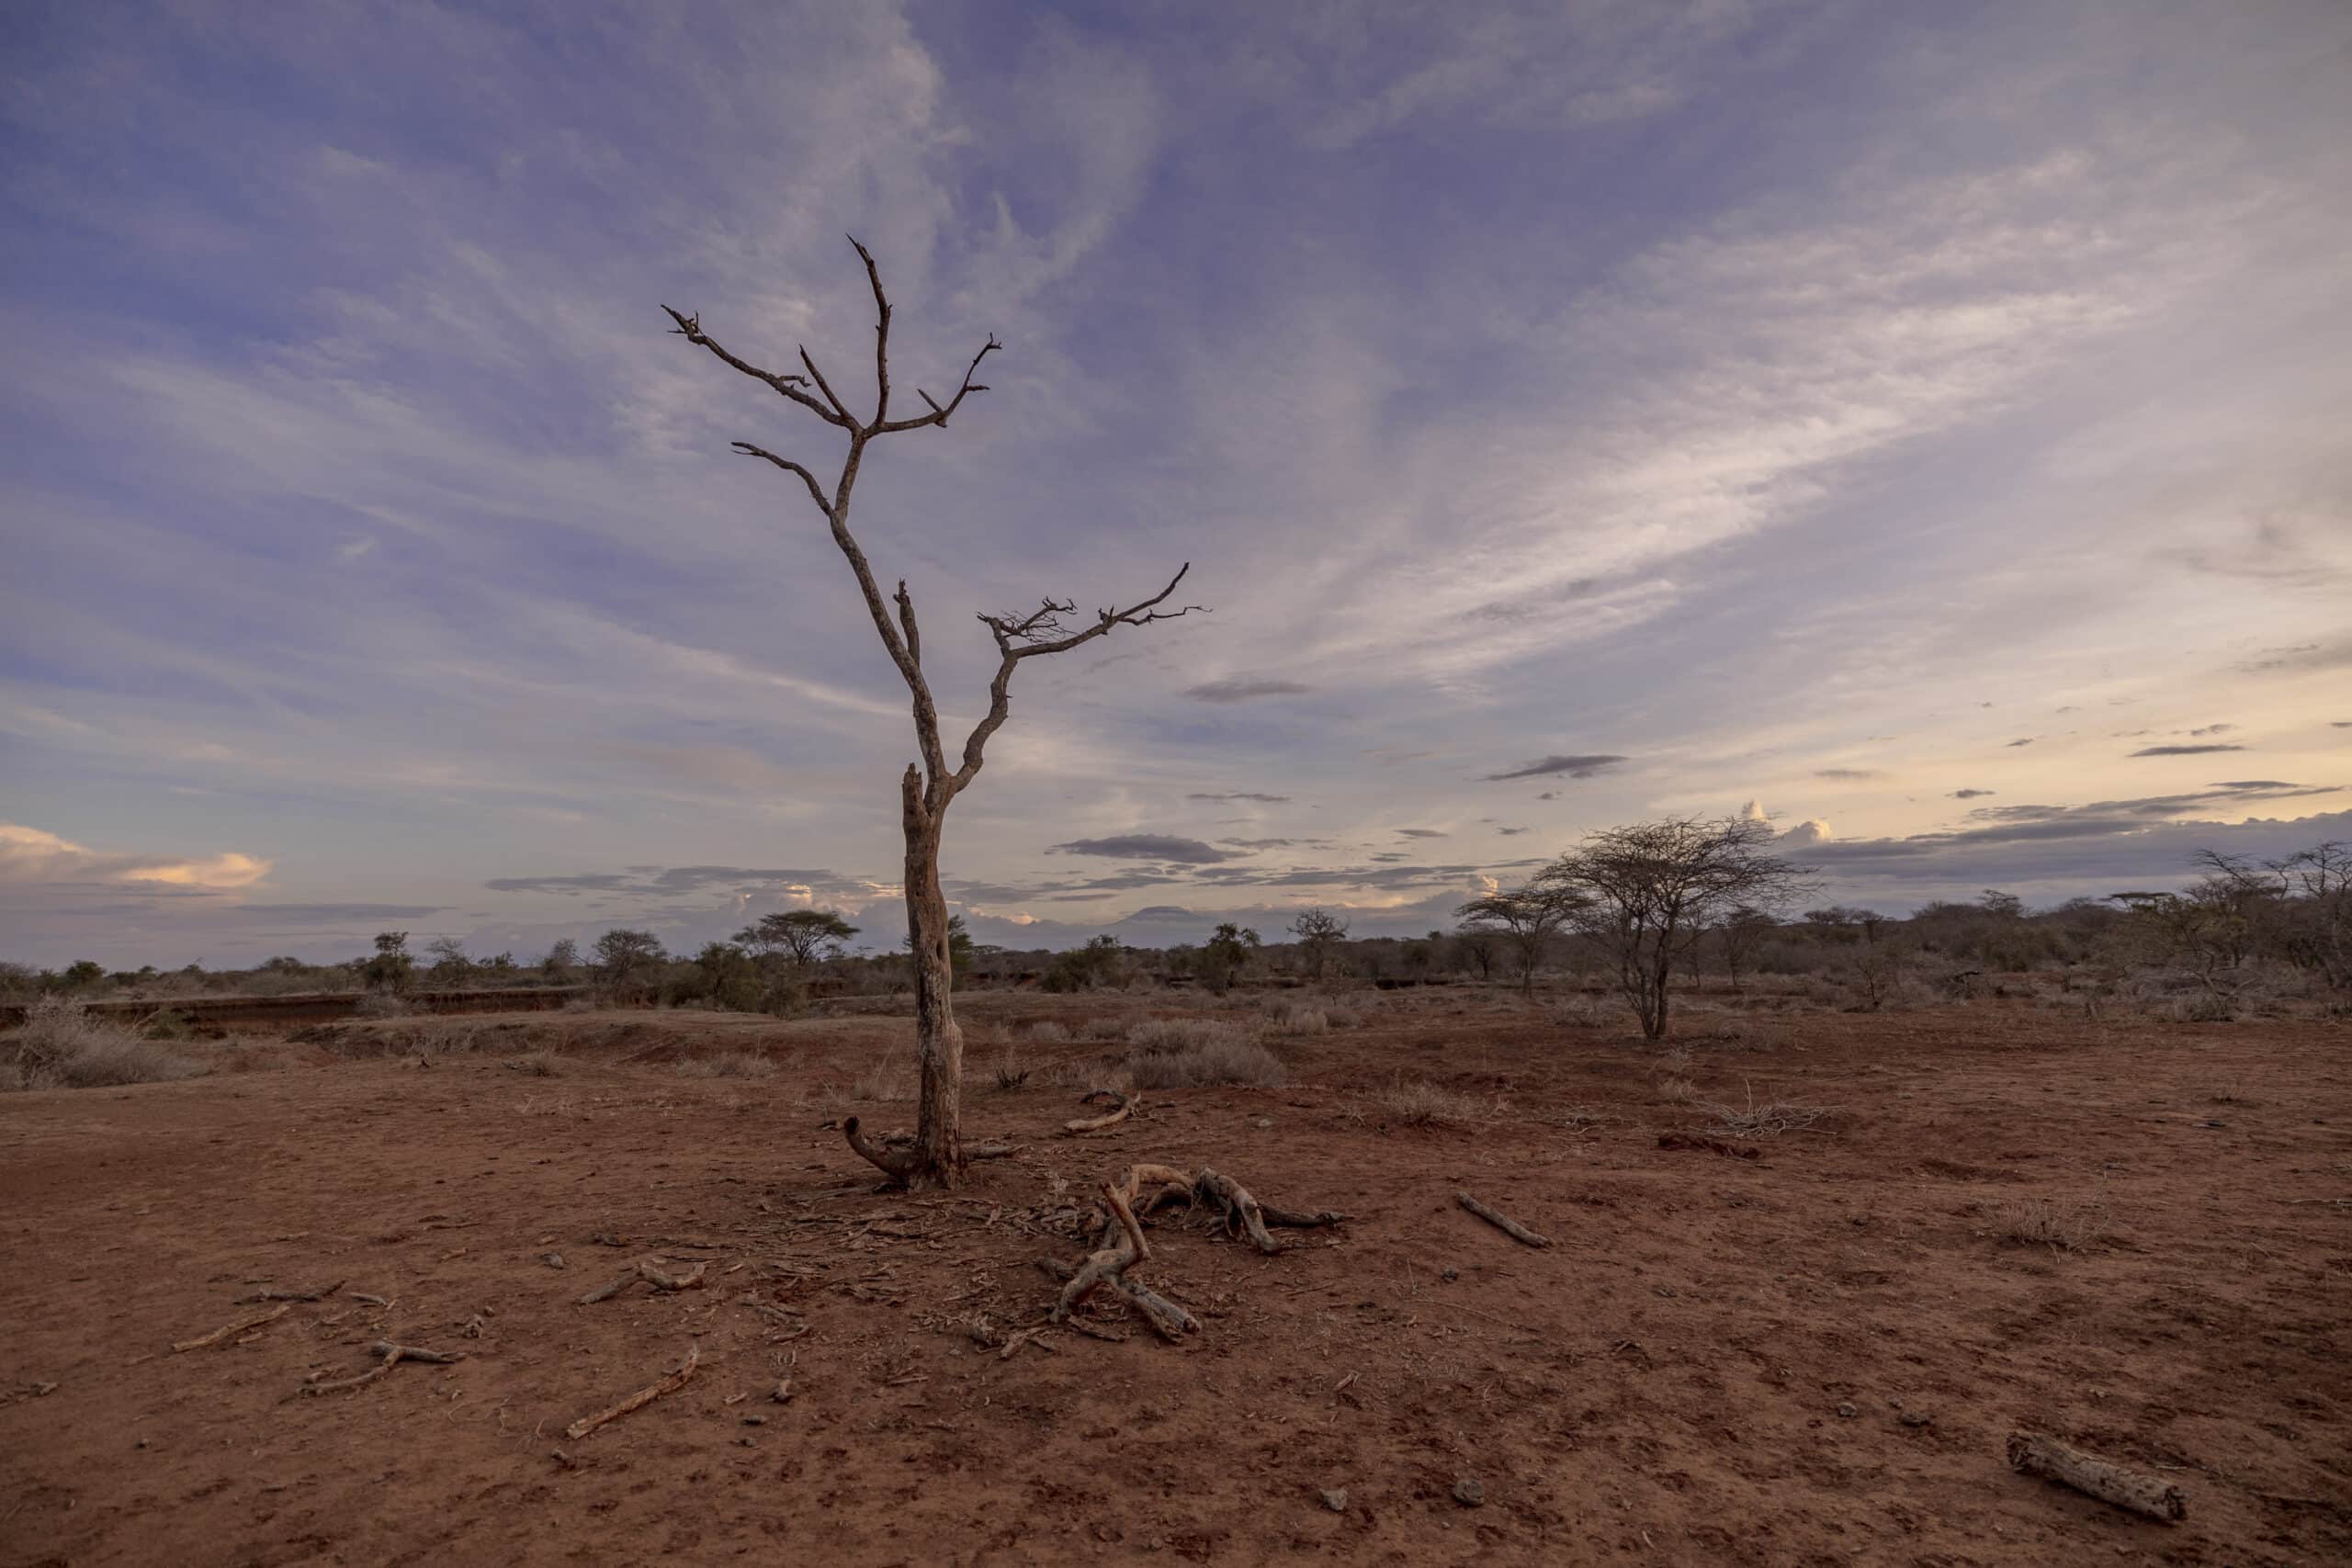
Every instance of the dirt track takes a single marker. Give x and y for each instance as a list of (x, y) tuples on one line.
[(1664, 1385)]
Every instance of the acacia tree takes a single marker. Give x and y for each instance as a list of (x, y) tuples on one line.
[(1318, 931), (1528, 917), (938, 1154), (1650, 890), (803, 936)]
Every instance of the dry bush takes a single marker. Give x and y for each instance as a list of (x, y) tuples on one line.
[(727, 1065), (538, 1064), (2064, 1225), (1585, 1012), (1010, 1074), (381, 1004), (1229, 1058), (1296, 1019), (1423, 1104), (1674, 1060), (1045, 1033), (1341, 1017), (1677, 1091), (61, 1046)]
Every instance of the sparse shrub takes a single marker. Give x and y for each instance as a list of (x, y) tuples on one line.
[(1151, 1034), (1227, 1058), (1752, 1121), (1045, 1033), (169, 1023), (1010, 1074), (2204, 1006), (61, 1046), (1678, 1091), (382, 1004)]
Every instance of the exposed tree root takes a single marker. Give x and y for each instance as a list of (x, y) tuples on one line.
[(1502, 1222), (638, 1400), (388, 1356), (895, 1154), (228, 1331), (649, 1271), (2096, 1477)]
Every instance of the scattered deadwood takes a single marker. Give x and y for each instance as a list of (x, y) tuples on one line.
[(228, 1331), (1503, 1222), (1120, 1246), (1121, 1107), (2096, 1477), (294, 1293), (1702, 1143), (388, 1356), (638, 1401), (1109, 1267), (363, 1298), (648, 1269), (1243, 1213)]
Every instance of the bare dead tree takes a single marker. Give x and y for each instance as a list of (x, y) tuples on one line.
[(1318, 931), (936, 1156)]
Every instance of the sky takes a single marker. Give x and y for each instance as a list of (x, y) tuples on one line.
[(1922, 426)]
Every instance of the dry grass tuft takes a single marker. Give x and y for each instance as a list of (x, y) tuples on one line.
[(1423, 1104), (727, 1065), (1677, 1091), (1045, 1033), (1752, 1121), (2064, 1225), (885, 1083), (61, 1046), (1010, 1074)]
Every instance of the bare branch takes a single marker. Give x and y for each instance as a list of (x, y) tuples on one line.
[(815, 490), (881, 334), (1043, 631), (907, 620), (690, 328), (938, 415), (832, 396)]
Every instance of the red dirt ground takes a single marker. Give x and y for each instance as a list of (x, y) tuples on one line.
[(1813, 1358)]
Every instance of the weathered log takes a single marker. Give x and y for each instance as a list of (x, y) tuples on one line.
[(2096, 1477), (1502, 1222), (1243, 1216)]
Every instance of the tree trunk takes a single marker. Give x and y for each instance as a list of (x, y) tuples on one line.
[(939, 1043)]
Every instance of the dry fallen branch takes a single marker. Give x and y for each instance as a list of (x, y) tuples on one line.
[(2096, 1477), (228, 1331), (1109, 1267), (638, 1401), (1502, 1222), (295, 1293), (648, 1269), (1122, 1107), (388, 1356)]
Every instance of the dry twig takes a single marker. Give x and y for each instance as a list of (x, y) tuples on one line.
[(638, 1401), (228, 1331), (388, 1356), (1502, 1222)]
